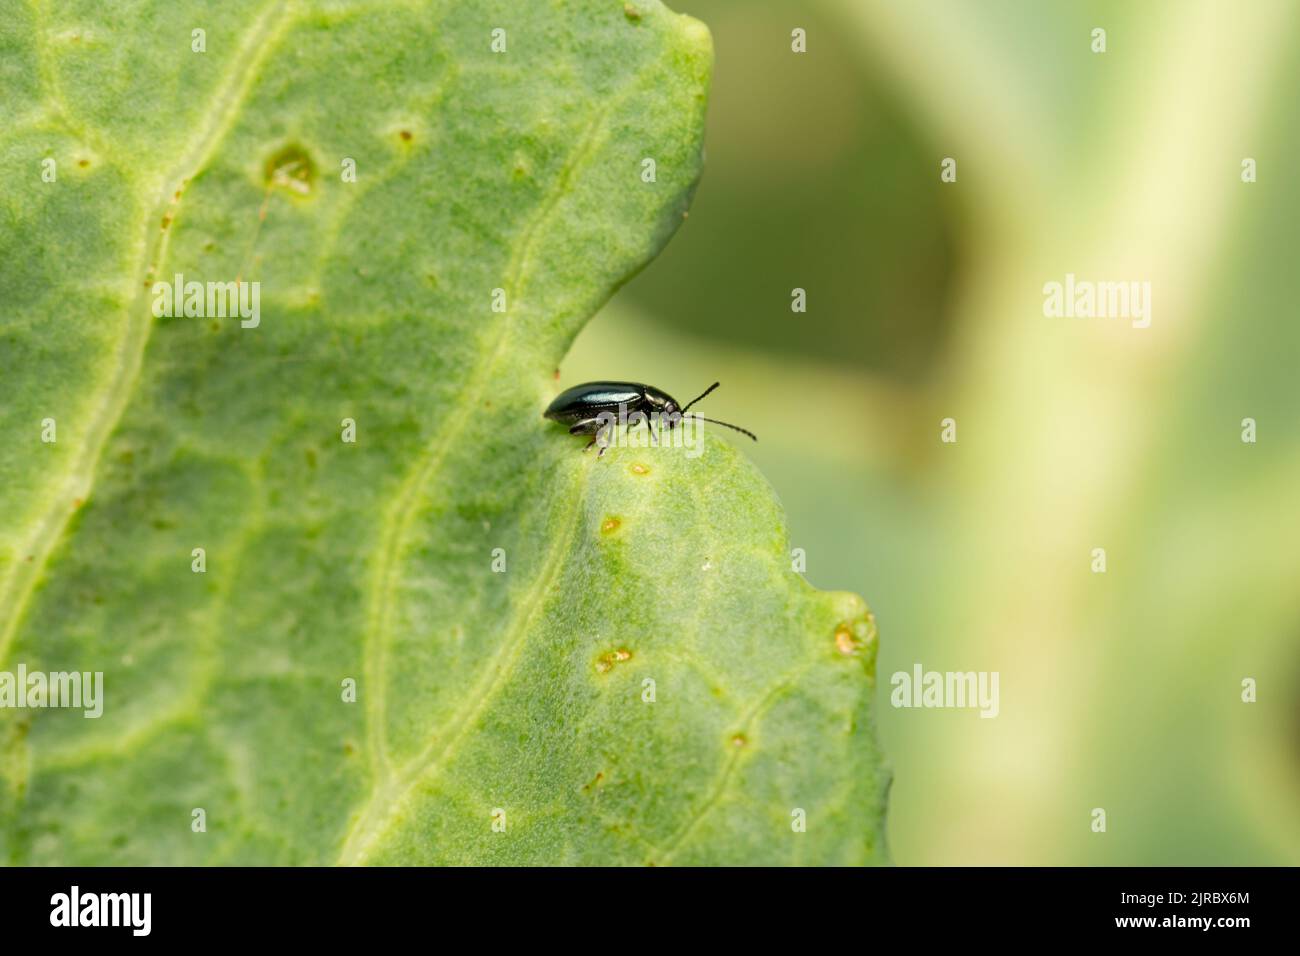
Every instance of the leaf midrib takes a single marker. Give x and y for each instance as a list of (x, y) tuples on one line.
[(387, 800), (78, 482), (397, 523)]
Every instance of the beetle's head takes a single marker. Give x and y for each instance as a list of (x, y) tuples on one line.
[(664, 405)]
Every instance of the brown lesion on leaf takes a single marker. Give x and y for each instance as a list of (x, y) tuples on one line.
[(845, 641), (594, 782), (290, 168), (605, 663), (405, 130), (639, 469), (610, 524), (856, 637)]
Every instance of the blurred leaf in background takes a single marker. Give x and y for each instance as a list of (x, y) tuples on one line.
[(799, 148), (1119, 690)]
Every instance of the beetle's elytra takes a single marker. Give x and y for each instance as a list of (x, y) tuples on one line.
[(587, 408)]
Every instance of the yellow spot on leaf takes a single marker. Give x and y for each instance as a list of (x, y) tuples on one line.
[(845, 641), (605, 663), (292, 169)]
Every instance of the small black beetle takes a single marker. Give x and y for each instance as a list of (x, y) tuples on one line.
[(582, 406)]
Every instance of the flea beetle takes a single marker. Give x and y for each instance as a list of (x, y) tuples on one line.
[(589, 409)]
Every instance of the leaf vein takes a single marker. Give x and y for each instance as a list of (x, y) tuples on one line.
[(387, 801), (77, 484)]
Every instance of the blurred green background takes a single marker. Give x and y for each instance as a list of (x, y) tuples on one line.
[(925, 301)]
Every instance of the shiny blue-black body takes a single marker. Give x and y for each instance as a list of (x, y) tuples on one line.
[(591, 408), (580, 407)]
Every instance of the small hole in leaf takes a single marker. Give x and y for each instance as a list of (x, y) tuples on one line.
[(291, 168), (845, 642), (605, 663)]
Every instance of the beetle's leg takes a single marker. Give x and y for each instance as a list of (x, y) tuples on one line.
[(587, 426), (634, 419), (649, 425), (596, 428)]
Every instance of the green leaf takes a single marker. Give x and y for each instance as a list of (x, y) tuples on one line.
[(500, 715)]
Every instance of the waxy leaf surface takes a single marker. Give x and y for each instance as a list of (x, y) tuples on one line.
[(556, 658)]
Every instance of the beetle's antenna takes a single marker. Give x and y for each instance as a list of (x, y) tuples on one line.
[(706, 392), (743, 431)]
